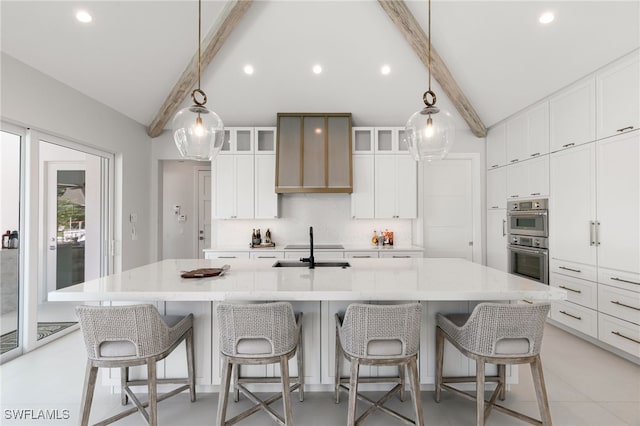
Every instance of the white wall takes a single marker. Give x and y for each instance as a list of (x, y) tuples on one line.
[(179, 189), (35, 100)]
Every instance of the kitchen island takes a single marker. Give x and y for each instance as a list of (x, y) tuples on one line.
[(443, 285)]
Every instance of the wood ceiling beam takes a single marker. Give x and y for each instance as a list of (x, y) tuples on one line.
[(233, 11), (404, 20)]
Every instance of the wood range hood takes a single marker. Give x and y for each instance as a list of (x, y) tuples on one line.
[(314, 153)]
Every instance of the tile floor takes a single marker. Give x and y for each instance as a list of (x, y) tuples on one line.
[(586, 386)]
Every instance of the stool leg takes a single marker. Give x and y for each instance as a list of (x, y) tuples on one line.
[(353, 391), (439, 362), (153, 392), (415, 391), (236, 376), (401, 374), (191, 366), (300, 359), (286, 391), (87, 392), (223, 395), (480, 392), (337, 367), (541, 391), (124, 378), (502, 373)]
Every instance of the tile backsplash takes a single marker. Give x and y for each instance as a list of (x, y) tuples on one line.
[(329, 214)]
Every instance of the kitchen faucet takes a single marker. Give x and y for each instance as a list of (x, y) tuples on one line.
[(310, 259)]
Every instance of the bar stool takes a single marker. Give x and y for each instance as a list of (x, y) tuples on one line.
[(386, 335), (498, 334), (126, 336), (251, 334)]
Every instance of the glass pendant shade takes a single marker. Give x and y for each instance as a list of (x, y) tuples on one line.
[(430, 133), (198, 133)]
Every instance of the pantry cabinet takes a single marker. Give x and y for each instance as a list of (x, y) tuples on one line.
[(572, 115), (527, 134), (497, 239), (618, 95), (497, 146), (497, 188)]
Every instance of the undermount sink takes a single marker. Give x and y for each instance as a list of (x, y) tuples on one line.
[(298, 264)]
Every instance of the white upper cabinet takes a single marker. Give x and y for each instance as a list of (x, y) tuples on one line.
[(363, 195), (618, 97), (618, 207), (396, 185), (573, 115), (238, 140), (233, 187), (266, 199), (537, 130), (497, 189), (528, 179), (572, 205), (497, 146), (265, 140), (363, 141), (516, 134), (527, 133)]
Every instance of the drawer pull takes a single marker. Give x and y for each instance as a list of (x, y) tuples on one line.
[(625, 128), (625, 337), (226, 257), (535, 154), (514, 160), (527, 301), (568, 145), (361, 257), (570, 289), (572, 316), (535, 193), (397, 256), (624, 281), (569, 269), (615, 302), (514, 196), (266, 257), (494, 166)]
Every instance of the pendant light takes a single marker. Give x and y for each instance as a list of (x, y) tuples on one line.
[(198, 131), (430, 131)]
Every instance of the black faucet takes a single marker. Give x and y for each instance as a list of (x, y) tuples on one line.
[(310, 259)]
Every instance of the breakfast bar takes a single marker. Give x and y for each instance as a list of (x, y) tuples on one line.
[(442, 285)]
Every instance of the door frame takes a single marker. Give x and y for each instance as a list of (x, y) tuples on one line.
[(476, 202)]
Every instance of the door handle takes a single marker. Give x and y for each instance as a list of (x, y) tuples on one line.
[(597, 233), (592, 233), (504, 222)]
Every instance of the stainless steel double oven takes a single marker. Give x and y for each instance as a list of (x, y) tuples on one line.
[(528, 224)]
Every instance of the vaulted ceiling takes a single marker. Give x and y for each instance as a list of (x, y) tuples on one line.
[(132, 54)]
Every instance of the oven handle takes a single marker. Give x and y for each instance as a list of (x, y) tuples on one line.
[(543, 252), (527, 213)]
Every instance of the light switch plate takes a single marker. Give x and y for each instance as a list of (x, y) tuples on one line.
[(133, 217)]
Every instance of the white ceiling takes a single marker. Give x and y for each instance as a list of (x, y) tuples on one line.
[(133, 52)]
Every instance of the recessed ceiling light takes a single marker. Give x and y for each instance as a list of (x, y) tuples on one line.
[(317, 69), (546, 18), (248, 69), (385, 70), (83, 16)]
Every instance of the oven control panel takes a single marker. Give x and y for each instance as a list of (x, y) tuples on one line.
[(526, 241), (530, 205)]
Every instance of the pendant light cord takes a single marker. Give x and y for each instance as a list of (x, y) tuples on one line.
[(199, 38), (429, 36)]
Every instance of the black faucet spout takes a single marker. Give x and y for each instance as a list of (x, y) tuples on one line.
[(310, 259)]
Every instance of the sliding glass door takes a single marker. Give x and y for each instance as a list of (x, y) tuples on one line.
[(10, 276)]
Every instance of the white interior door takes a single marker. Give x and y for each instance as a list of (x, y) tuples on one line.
[(204, 211), (448, 197)]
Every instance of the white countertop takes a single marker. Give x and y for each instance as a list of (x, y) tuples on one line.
[(347, 247), (366, 279)]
